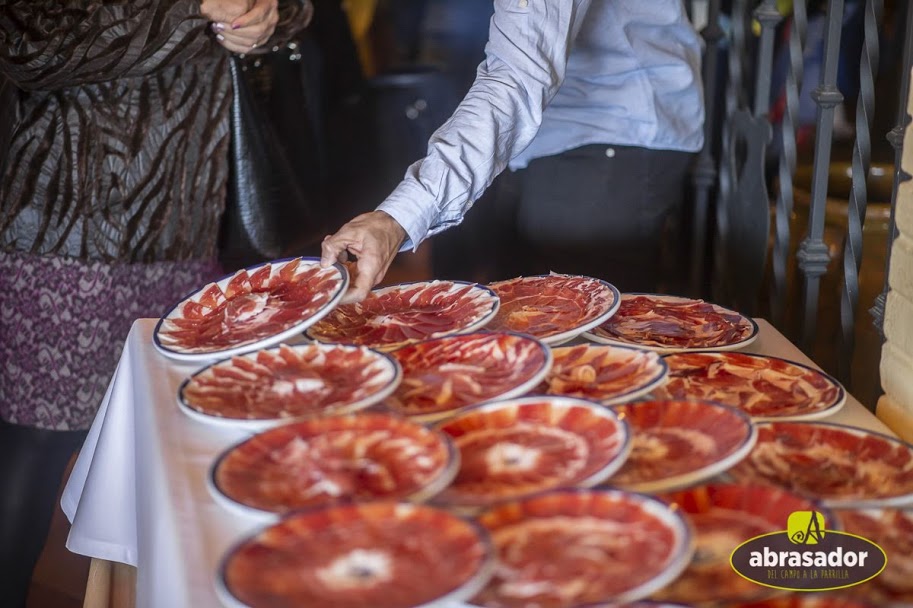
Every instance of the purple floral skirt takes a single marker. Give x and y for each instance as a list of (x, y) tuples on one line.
[(63, 323)]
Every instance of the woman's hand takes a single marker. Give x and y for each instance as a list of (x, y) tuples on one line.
[(224, 11), (242, 33)]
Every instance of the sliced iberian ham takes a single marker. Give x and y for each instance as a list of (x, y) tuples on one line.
[(443, 375), (331, 460), (567, 548), (723, 517), (517, 447), (892, 530), (554, 308), (680, 443), (607, 374), (762, 386), (402, 314), (250, 309), (381, 554), (839, 465), (671, 323), (290, 382)]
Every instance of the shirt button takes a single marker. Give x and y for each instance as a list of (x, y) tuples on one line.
[(610, 152), (523, 3)]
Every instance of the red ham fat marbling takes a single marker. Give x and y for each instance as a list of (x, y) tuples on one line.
[(567, 548), (291, 382), (892, 530), (382, 555), (670, 323), (840, 465), (251, 306), (554, 307), (446, 374), (331, 460), (680, 443), (401, 314), (725, 516), (761, 386), (517, 447), (607, 374)]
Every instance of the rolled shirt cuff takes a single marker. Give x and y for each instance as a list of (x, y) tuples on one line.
[(414, 209)]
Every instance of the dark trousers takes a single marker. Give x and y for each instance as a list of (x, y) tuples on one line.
[(32, 463), (611, 212)]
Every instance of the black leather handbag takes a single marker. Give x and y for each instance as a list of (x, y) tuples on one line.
[(275, 199)]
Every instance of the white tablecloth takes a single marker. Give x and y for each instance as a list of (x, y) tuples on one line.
[(137, 493)]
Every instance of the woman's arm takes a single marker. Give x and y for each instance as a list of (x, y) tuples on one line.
[(52, 44)]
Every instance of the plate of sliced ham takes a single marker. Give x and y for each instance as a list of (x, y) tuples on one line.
[(278, 385), (517, 447), (843, 466), (379, 554), (572, 547), (674, 324), (251, 309), (675, 444), (554, 308), (892, 530), (363, 457), (723, 517), (443, 375), (607, 374), (764, 387), (394, 316)]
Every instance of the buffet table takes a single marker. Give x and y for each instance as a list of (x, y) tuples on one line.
[(137, 494)]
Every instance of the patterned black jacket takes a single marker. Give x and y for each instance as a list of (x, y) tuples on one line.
[(114, 127)]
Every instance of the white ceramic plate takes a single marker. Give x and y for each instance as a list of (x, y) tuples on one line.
[(748, 332), (246, 306), (281, 387)]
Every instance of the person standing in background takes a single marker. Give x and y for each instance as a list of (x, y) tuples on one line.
[(114, 124), (596, 106)]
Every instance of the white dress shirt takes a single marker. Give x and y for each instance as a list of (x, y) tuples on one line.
[(557, 75)]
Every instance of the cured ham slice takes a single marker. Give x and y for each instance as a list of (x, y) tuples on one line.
[(892, 530), (723, 517), (607, 374), (402, 314), (763, 387), (517, 447), (250, 309), (382, 555), (446, 374), (289, 382), (671, 324), (568, 548), (554, 308), (332, 460), (679, 443), (840, 465)]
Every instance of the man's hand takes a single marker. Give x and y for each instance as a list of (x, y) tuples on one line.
[(242, 31), (374, 239)]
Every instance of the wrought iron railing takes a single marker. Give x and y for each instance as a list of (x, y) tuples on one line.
[(746, 180)]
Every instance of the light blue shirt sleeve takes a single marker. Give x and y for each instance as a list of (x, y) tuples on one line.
[(525, 63)]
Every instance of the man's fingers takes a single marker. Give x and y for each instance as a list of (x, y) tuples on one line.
[(359, 289), (331, 249)]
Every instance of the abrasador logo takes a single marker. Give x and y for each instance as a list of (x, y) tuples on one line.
[(806, 557)]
